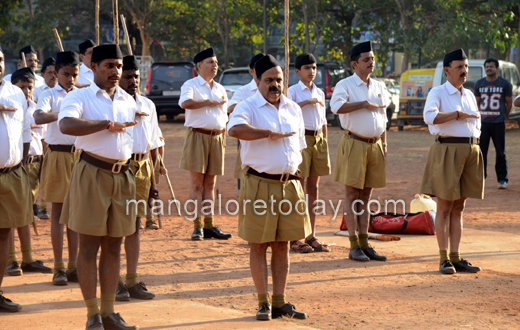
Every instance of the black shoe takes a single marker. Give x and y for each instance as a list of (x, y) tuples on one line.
[(36, 209), (43, 215), (358, 255), (465, 266), (151, 224), (140, 291), (216, 233), (372, 254), (122, 293), (94, 323), (198, 235), (36, 266), (264, 312), (72, 276), (289, 311), (13, 269), (115, 322), (446, 267), (6, 305), (59, 278)]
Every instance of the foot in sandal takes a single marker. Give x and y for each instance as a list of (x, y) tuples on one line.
[(300, 247), (317, 245)]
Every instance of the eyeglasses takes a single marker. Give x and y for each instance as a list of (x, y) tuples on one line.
[(32, 60)]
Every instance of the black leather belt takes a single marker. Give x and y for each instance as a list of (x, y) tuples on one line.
[(463, 140), (9, 169), (112, 167), (362, 139), (140, 157), (62, 147), (313, 133), (34, 159), (279, 177)]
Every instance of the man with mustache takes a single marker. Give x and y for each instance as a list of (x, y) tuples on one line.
[(144, 156), (271, 130), (361, 158), (48, 73), (15, 204), (494, 96), (31, 59), (86, 76), (454, 169), (58, 163), (101, 116), (203, 153)]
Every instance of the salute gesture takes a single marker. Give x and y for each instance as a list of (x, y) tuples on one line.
[(370, 105), (115, 126), (273, 135), (7, 108)]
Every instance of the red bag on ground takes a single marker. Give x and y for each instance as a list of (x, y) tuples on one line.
[(411, 223)]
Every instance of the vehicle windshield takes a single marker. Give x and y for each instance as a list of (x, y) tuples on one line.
[(171, 73), (236, 78), (474, 74)]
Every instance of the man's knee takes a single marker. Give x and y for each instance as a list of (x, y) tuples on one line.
[(458, 206), (111, 245), (4, 233), (259, 247), (280, 247)]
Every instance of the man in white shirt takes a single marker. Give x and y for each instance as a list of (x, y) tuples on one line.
[(86, 76), (24, 79), (360, 160), (15, 204), (271, 129), (31, 59), (454, 169), (101, 116), (203, 153), (48, 73), (146, 137), (316, 160), (516, 102), (58, 163)]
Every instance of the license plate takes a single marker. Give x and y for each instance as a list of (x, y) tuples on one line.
[(171, 93)]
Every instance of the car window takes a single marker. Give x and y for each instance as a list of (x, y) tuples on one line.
[(236, 78), (474, 74), (507, 74), (171, 73), (515, 77)]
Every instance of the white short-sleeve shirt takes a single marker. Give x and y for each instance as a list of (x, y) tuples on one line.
[(37, 134), (146, 132), (15, 129), (243, 93), (446, 98), (314, 115), (93, 103), (265, 155), (38, 91), (364, 122), (51, 101), (86, 76), (210, 118)]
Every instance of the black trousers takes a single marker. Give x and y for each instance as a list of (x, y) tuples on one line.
[(497, 133)]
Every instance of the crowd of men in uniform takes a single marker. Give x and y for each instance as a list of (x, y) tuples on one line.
[(103, 144)]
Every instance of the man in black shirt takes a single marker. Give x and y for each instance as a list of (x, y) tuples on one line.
[(494, 96)]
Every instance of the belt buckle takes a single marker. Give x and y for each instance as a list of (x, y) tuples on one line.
[(371, 140), (473, 140), (213, 132), (30, 159), (116, 168), (73, 149), (316, 133), (138, 157), (286, 176)]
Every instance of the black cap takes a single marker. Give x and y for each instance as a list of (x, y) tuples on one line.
[(48, 62), (130, 63), (305, 58), (363, 47), (254, 59), (105, 51), (86, 45), (204, 55), (456, 55), (23, 72), (26, 50), (67, 58), (265, 63)]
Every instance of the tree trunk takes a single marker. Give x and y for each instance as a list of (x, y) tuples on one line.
[(317, 31), (306, 25), (146, 40), (224, 33), (517, 60), (405, 25)]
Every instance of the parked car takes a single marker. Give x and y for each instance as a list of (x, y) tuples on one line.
[(415, 85), (327, 76), (392, 102), (164, 85), (10, 67), (476, 71), (233, 79)]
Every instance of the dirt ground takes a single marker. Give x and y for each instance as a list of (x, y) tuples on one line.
[(205, 285)]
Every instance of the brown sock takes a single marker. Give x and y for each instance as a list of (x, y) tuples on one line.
[(444, 255), (455, 257), (131, 279), (197, 223), (363, 241), (26, 253), (107, 304), (71, 266), (278, 300), (354, 241), (208, 223), (12, 255), (263, 298), (92, 307)]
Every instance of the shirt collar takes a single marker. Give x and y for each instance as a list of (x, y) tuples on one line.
[(202, 81), (84, 68), (138, 98), (303, 87), (260, 100), (253, 86), (59, 88), (452, 90), (119, 91)]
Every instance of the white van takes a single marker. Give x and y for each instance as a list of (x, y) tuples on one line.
[(506, 70)]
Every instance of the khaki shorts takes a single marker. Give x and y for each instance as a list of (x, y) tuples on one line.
[(33, 170), (55, 177), (15, 199), (271, 227), (453, 171), (238, 165), (359, 164), (96, 202), (316, 161), (203, 153), (143, 175)]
